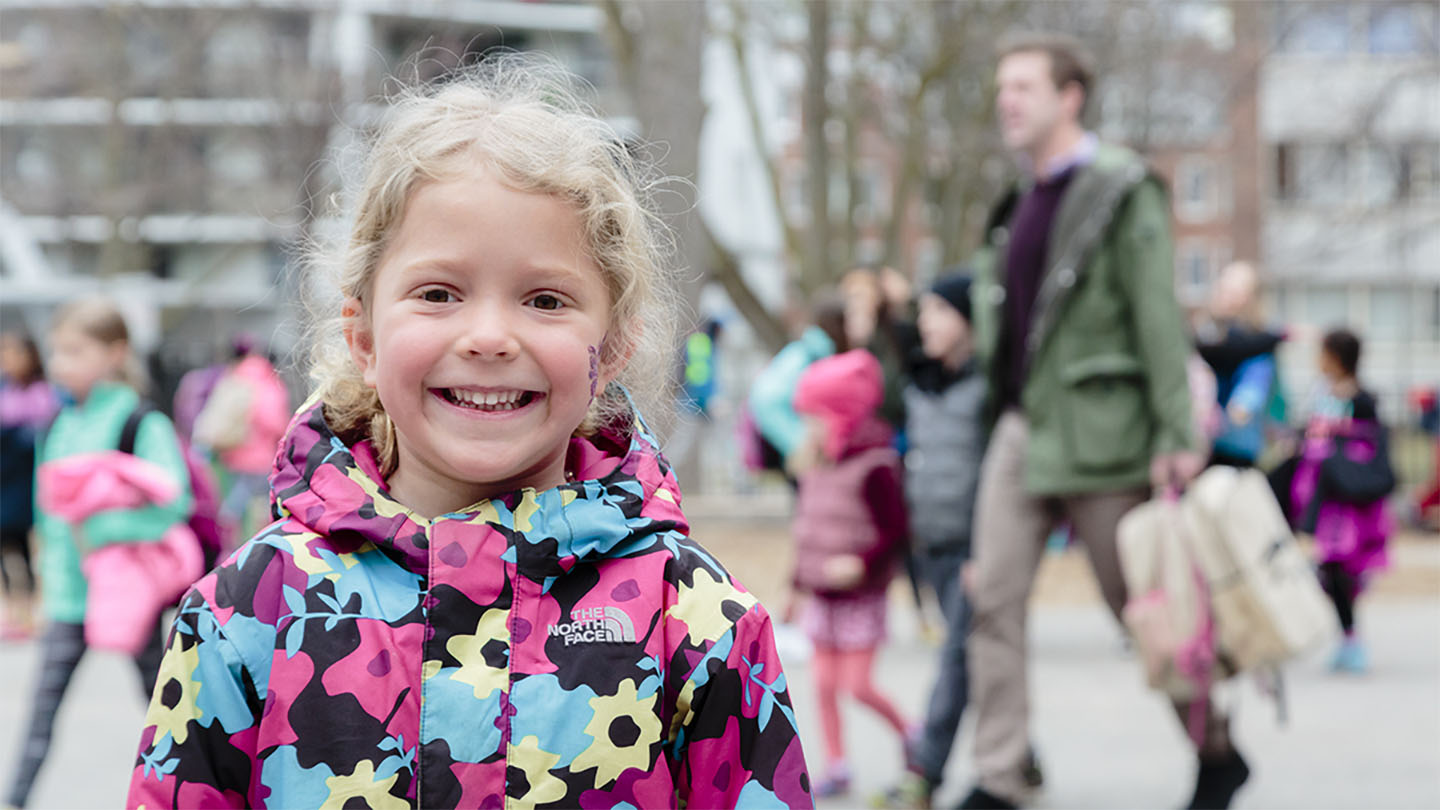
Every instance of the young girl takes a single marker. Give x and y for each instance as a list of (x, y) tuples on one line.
[(479, 591), (1350, 531), (91, 361), (850, 526), (27, 404)]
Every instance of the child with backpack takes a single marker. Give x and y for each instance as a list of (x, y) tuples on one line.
[(90, 358), (1339, 487), (850, 527), (241, 424)]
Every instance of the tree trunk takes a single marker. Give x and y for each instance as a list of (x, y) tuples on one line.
[(817, 148)]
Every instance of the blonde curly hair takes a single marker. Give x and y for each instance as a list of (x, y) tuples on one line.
[(522, 115)]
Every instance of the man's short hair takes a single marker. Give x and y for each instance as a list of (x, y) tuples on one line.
[(1069, 60)]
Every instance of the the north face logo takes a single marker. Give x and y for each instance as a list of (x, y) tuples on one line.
[(595, 624)]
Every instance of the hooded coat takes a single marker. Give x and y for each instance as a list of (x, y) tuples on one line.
[(570, 647), (851, 503)]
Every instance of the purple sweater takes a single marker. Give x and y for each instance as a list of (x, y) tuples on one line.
[(1029, 244)]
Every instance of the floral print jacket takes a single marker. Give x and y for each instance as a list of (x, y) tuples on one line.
[(565, 648)]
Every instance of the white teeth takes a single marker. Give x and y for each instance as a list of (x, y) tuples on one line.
[(490, 401)]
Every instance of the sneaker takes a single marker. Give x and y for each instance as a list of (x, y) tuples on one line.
[(1352, 657), (836, 782), (1033, 776), (1217, 780), (982, 799), (912, 791)]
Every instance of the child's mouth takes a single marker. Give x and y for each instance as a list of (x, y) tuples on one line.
[(487, 401)]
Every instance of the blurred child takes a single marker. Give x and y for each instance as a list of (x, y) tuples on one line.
[(878, 318), (850, 526), (91, 360), (1345, 451), (771, 401), (944, 420), (242, 422), (1242, 355), (27, 404), (480, 591)]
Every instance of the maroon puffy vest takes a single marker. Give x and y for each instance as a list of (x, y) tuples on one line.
[(831, 515)]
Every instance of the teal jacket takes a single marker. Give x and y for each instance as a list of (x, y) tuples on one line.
[(772, 395), (1106, 389), (93, 426)]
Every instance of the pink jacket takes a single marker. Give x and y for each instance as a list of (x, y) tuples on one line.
[(128, 583)]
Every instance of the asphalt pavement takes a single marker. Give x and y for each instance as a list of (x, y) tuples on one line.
[(1367, 742)]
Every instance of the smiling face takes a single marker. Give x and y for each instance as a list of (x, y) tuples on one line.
[(483, 338)]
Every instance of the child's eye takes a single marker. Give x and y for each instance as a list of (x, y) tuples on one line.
[(546, 301), (436, 296)]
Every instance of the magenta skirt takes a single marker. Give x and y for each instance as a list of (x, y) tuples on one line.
[(849, 623)]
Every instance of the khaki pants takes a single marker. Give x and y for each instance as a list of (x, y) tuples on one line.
[(1011, 527)]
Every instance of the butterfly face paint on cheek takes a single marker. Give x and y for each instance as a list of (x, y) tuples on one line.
[(594, 370)]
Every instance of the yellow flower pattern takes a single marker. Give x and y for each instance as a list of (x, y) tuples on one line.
[(611, 754), (469, 651), (529, 757), (362, 785), (178, 665), (700, 606)]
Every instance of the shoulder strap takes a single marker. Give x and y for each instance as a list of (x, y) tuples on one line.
[(132, 426)]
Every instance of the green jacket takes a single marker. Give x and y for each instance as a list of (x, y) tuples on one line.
[(92, 426), (1106, 389)]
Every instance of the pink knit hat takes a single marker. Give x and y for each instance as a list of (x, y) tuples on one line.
[(843, 391)]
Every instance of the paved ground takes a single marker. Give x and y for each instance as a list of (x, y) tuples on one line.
[(1371, 742)]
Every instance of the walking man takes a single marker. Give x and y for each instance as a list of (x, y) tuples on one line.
[(1084, 347)]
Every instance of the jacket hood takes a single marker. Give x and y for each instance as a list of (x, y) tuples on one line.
[(843, 391), (622, 490)]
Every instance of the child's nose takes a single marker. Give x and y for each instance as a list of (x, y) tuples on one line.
[(489, 332)]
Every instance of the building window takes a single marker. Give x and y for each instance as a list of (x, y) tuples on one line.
[(1195, 269), (1419, 174), (1378, 174), (151, 59), (236, 157), (1391, 314), (1433, 321), (1402, 28), (1313, 27), (1311, 172), (1196, 189), (1327, 307)]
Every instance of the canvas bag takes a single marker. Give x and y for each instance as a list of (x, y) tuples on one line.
[(224, 422), (1266, 599), (1168, 613)]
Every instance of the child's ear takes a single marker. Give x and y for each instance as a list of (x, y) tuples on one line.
[(118, 354), (616, 351), (359, 338)]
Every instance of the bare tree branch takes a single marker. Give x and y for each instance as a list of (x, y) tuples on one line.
[(736, 36)]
